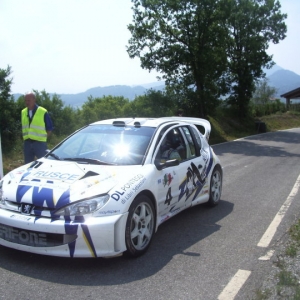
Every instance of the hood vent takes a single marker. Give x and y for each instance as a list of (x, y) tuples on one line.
[(36, 164), (89, 174)]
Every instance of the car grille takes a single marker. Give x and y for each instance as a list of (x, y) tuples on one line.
[(36, 211), (34, 238)]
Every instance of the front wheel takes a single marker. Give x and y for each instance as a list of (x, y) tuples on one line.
[(215, 186), (139, 226)]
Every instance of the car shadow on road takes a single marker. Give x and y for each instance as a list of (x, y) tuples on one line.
[(174, 237)]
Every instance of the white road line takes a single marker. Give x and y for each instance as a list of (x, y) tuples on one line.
[(268, 255), (235, 284), (270, 232)]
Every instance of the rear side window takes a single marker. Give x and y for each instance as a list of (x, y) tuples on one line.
[(197, 137), (191, 149)]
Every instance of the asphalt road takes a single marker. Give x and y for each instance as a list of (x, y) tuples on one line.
[(194, 255)]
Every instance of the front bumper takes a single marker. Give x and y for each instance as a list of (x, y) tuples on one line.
[(89, 237)]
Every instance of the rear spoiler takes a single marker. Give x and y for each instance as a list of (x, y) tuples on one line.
[(196, 121)]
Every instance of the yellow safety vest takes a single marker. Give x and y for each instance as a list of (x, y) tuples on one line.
[(36, 130)]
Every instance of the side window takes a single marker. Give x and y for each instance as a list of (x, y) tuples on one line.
[(191, 152), (172, 147), (196, 134)]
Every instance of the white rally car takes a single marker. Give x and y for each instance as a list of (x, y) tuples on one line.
[(105, 189)]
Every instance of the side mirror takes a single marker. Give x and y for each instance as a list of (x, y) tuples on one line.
[(167, 164)]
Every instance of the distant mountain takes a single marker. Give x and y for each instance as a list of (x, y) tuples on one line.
[(271, 71), (128, 92), (283, 80), (114, 90)]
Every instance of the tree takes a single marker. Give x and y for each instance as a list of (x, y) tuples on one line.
[(106, 107), (263, 101), (251, 24), (152, 104), (184, 40), (263, 93), (10, 123), (207, 48)]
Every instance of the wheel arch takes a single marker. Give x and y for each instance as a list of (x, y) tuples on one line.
[(150, 195)]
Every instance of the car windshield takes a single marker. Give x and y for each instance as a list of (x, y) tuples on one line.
[(105, 144)]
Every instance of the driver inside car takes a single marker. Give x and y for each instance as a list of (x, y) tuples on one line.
[(167, 151)]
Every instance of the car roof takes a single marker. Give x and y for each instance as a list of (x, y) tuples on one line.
[(156, 122)]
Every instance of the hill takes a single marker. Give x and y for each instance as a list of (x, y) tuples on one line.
[(283, 80), (113, 90)]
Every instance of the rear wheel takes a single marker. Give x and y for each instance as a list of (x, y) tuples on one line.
[(139, 226), (215, 186)]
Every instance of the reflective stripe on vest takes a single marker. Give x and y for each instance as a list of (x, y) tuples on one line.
[(36, 130)]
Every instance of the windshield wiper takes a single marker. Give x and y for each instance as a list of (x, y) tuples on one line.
[(54, 155), (87, 160)]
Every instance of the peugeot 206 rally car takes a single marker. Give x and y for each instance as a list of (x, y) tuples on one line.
[(105, 189)]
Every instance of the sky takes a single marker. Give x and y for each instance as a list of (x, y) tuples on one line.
[(70, 46)]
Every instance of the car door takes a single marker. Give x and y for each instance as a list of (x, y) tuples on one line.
[(171, 146), (193, 183)]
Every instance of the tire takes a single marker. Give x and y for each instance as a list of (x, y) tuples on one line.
[(139, 226), (215, 186)]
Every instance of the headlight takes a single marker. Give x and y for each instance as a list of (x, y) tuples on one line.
[(83, 207)]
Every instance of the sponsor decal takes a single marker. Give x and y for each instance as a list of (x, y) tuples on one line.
[(169, 197), (66, 177), (109, 212), (20, 217), (88, 240), (174, 211), (129, 189), (195, 181), (42, 197), (117, 195), (167, 179), (88, 184), (165, 218), (171, 213), (24, 237), (131, 182)]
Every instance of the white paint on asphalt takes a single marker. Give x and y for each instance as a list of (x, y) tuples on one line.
[(234, 285), (268, 255), (270, 232)]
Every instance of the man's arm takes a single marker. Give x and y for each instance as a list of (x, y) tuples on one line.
[(48, 124)]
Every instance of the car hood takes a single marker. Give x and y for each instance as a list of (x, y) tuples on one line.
[(54, 184)]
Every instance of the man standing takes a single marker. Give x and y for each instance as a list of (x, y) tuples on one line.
[(36, 127)]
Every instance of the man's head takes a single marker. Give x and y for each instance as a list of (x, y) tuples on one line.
[(30, 100), (180, 112)]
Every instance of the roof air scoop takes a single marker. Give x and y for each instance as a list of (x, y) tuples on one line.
[(119, 123)]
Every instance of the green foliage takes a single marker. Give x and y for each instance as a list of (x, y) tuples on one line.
[(107, 107), (262, 102), (286, 278), (263, 92), (268, 108), (10, 124), (251, 26), (294, 107), (153, 104), (291, 250), (205, 49), (185, 41)]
